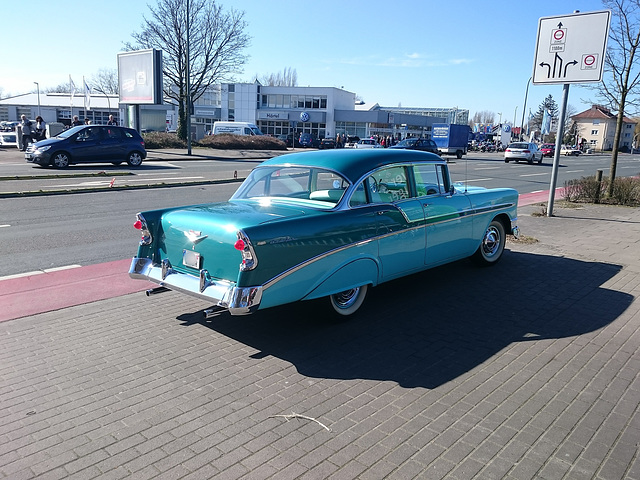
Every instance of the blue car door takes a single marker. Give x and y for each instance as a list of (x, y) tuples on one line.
[(85, 147), (113, 144), (401, 226), (448, 216)]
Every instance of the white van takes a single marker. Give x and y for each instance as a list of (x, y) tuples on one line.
[(236, 128)]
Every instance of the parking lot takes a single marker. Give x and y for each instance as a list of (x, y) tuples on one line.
[(525, 370)]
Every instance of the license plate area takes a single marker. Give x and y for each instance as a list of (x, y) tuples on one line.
[(191, 259)]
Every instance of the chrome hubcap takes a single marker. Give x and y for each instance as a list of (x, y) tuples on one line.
[(491, 242), (347, 298)]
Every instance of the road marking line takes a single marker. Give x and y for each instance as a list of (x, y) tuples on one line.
[(159, 163), (534, 174), (128, 180), (487, 168), (39, 272), (57, 269), (4, 226)]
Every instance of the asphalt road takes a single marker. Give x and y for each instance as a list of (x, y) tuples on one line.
[(170, 167), (52, 231)]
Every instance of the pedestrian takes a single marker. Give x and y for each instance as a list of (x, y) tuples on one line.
[(41, 129), (112, 121), (27, 132), (76, 121)]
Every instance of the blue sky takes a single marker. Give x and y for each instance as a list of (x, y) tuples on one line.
[(475, 55)]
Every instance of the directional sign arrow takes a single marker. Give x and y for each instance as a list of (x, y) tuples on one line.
[(555, 62), (542, 64), (575, 62)]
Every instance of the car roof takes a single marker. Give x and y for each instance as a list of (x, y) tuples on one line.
[(353, 163)]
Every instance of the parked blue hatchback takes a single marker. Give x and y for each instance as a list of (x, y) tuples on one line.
[(89, 144)]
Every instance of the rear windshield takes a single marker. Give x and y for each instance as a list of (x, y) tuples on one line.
[(519, 145), (288, 183)]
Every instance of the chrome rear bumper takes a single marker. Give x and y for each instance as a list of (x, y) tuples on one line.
[(237, 300)]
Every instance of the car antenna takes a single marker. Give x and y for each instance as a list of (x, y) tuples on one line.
[(466, 175)]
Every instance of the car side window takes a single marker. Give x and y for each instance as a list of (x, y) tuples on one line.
[(388, 185), (112, 134), (89, 134), (428, 180), (358, 197)]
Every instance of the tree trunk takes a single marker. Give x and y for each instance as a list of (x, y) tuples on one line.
[(181, 131), (616, 146)]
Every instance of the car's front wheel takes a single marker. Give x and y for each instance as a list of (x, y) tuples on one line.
[(349, 301), (134, 159), (492, 245), (60, 160)]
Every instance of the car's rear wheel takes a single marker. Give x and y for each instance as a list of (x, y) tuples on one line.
[(492, 245), (134, 159), (60, 160), (349, 301), (506, 160), (530, 160), (459, 154), (540, 161)]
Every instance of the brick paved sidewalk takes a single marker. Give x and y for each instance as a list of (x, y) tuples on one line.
[(525, 370)]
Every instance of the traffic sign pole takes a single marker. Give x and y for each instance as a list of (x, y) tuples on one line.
[(556, 155)]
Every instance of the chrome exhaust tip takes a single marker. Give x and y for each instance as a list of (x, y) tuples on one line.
[(153, 291), (213, 312)]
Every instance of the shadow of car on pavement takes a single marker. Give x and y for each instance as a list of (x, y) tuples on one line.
[(429, 328)]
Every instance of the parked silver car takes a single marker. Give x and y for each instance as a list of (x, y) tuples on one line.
[(523, 151)]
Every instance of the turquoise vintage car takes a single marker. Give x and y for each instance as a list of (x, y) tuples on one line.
[(322, 224)]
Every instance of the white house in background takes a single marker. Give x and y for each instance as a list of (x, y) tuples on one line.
[(597, 129)]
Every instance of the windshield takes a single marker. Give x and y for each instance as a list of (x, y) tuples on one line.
[(255, 130), (285, 183), (69, 132), (408, 142)]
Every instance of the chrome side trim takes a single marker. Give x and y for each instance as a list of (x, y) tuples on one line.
[(294, 269), (238, 300), (446, 218)]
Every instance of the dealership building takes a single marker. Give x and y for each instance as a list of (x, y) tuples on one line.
[(322, 111)]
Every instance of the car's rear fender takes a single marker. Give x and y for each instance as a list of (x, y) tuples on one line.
[(324, 276), (363, 271)]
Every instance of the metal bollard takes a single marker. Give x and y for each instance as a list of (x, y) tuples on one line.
[(599, 182)]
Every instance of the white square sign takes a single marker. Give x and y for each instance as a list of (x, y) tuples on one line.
[(571, 48)]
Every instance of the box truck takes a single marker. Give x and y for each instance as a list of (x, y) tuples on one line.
[(451, 139)]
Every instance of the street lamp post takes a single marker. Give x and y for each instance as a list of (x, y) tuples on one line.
[(188, 86), (101, 90), (524, 108), (38, 89)]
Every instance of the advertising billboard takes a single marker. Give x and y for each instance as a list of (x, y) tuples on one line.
[(140, 77)]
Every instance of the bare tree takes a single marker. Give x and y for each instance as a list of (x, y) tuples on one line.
[(216, 43), (621, 82), (60, 88), (105, 81), (286, 78), (484, 117)]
